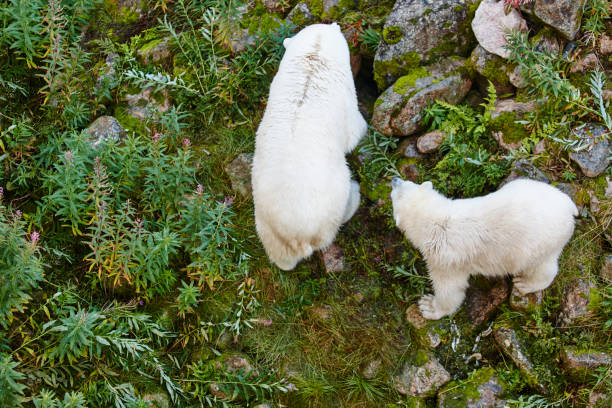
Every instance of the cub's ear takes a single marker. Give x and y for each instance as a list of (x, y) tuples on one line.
[(428, 185), (286, 42)]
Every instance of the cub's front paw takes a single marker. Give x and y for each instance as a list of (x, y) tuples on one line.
[(523, 285), (428, 308)]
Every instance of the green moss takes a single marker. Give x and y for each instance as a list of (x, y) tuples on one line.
[(379, 101), (396, 67), (421, 358), (316, 7), (336, 12), (404, 83), (299, 18), (460, 393), (506, 123), (392, 34), (496, 71), (377, 192)]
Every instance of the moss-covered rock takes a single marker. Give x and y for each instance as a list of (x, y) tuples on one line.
[(481, 389), (421, 376), (491, 68), (507, 131)]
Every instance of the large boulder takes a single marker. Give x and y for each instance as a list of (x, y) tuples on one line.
[(418, 32), (103, 130), (400, 109), (491, 25), (563, 15)]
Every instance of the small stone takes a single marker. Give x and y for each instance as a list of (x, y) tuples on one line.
[(580, 364), (480, 305), (540, 147), (156, 52), (499, 136), (239, 172), (143, 105), (415, 318), (606, 268), (511, 105), (371, 369), (588, 62), (333, 258), (215, 390), (301, 15), (158, 400), (568, 189), (563, 15), (507, 339), (516, 78), (491, 68), (236, 362), (575, 302), (408, 149), (605, 44), (522, 168), (595, 158), (421, 378), (491, 25), (272, 5), (320, 313), (484, 381), (430, 142), (103, 130), (409, 171), (241, 40), (530, 301)]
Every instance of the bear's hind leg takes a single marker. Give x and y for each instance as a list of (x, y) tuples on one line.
[(537, 278), (353, 202), (449, 292)]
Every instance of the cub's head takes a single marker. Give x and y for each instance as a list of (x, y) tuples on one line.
[(406, 196), (314, 33)]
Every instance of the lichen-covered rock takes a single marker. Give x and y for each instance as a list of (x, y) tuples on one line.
[(547, 42), (421, 377), (333, 258), (400, 109), (568, 189), (239, 172), (507, 339), (530, 301), (522, 168), (103, 130), (606, 268), (427, 335), (575, 301), (430, 142), (301, 15), (491, 24), (480, 304), (482, 389), (491, 67), (420, 32), (145, 104), (408, 149), (579, 364), (158, 399), (585, 63), (241, 39), (563, 15), (155, 51), (596, 157), (504, 127)]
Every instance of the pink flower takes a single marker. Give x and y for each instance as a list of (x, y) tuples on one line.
[(34, 237), (186, 142), (156, 137), (200, 189), (291, 387), (17, 214), (227, 201), (69, 157)]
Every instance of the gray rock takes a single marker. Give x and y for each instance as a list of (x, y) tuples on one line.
[(491, 67), (586, 63), (272, 5), (419, 31), (606, 268), (568, 189), (428, 336), (158, 400), (430, 142), (605, 44), (371, 369), (522, 168), (480, 304), (575, 302), (107, 72), (516, 78), (491, 24), (421, 378), (301, 14), (510, 105), (409, 171), (241, 39), (144, 105), (509, 343), (408, 149), (232, 363), (563, 15), (239, 172), (608, 192), (103, 130), (484, 392), (400, 109), (155, 51), (333, 258), (527, 302), (596, 157), (547, 42), (579, 364)]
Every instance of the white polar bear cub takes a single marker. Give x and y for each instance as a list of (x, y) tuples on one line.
[(302, 186), (519, 230)]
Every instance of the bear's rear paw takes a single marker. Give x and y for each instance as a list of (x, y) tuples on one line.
[(524, 286), (428, 308)]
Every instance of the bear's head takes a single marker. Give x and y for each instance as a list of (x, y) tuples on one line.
[(314, 32), (406, 195)]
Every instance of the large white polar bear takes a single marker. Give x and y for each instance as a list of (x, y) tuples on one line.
[(302, 186), (519, 230)]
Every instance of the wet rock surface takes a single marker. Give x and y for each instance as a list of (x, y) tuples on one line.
[(582, 363), (103, 130), (239, 172), (480, 304), (418, 32), (422, 377), (595, 158), (575, 301), (491, 25)]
